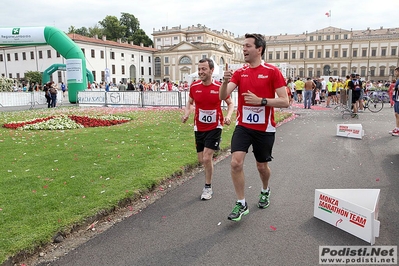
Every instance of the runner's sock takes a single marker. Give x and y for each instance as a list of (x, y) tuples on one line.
[(242, 201), (265, 190), (208, 185)]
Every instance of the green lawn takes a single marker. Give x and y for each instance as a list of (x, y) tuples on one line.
[(52, 180)]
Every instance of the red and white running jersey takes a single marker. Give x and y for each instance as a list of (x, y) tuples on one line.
[(263, 82), (208, 111)]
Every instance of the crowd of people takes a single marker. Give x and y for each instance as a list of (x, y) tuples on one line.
[(165, 85)]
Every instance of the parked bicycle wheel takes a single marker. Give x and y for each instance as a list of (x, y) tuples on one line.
[(375, 104)]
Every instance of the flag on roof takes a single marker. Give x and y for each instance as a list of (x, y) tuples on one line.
[(328, 14)]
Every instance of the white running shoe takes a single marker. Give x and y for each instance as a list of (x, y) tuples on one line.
[(206, 193)]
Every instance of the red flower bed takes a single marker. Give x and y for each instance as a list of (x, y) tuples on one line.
[(15, 125), (95, 122)]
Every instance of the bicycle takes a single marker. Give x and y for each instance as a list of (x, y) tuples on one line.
[(373, 102)]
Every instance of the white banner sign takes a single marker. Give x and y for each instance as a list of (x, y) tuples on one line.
[(24, 35)]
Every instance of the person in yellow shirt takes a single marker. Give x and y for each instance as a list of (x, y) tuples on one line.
[(329, 91), (299, 85), (340, 88), (334, 91)]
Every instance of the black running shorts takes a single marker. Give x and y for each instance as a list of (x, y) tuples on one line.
[(262, 143)]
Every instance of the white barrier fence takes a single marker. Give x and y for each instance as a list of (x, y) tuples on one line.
[(101, 98), (9, 99), (137, 98)]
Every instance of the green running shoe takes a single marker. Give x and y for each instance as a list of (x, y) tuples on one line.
[(264, 201), (238, 211)]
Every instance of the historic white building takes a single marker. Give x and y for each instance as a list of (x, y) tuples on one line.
[(123, 61), (373, 53)]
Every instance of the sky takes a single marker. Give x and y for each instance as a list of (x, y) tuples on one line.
[(268, 17)]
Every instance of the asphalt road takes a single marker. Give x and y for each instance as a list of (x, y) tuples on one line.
[(180, 229)]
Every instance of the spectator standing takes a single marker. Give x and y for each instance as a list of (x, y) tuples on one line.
[(299, 84), (395, 131), (309, 86)]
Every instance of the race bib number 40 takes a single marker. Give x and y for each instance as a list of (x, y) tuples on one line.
[(254, 114), (207, 116)]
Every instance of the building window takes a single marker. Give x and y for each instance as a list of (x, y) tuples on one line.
[(103, 75), (327, 53), (344, 53), (83, 50), (310, 53), (32, 55), (364, 52), (363, 72), (372, 72), (8, 57), (59, 76), (204, 56), (142, 71), (270, 56), (277, 55), (157, 61), (167, 71), (319, 38), (149, 59), (94, 74), (93, 53), (23, 56), (382, 71), (337, 37), (102, 54), (132, 56), (185, 60), (149, 71), (286, 55), (122, 55), (112, 55), (16, 56), (48, 53), (327, 37), (318, 54), (345, 36), (310, 73), (123, 70), (343, 73), (142, 58), (293, 55), (18, 76), (384, 51), (175, 38), (166, 60), (311, 38), (1, 58), (113, 69), (58, 54), (199, 38), (158, 39), (354, 54), (393, 51), (301, 54), (336, 54), (373, 52)]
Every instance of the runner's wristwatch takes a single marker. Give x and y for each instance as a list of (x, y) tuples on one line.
[(263, 102)]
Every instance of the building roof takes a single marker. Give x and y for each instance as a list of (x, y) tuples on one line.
[(103, 41)]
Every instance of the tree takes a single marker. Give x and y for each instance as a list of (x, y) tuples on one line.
[(140, 37), (71, 29), (82, 31), (112, 28), (33, 77), (131, 23), (96, 30)]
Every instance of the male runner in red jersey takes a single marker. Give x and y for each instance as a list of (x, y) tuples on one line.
[(258, 85), (208, 119)]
